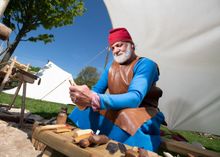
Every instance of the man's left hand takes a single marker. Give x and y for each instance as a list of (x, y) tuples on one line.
[(83, 96)]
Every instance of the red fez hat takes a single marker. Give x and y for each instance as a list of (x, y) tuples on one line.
[(119, 34)]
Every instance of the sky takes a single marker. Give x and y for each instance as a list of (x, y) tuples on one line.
[(75, 47)]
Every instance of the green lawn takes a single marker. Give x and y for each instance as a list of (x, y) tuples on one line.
[(49, 109), (42, 108), (210, 142)]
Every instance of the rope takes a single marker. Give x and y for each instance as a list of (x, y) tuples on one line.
[(96, 56), (106, 58), (54, 88), (69, 77)]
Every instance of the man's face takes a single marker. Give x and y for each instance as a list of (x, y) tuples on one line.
[(122, 51)]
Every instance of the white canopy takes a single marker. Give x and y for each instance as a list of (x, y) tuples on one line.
[(183, 37), (54, 85)]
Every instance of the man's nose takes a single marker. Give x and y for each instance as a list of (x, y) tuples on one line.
[(116, 50)]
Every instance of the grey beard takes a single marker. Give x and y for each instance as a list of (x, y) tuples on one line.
[(123, 57)]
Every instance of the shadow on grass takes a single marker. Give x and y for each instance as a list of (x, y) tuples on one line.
[(46, 115)]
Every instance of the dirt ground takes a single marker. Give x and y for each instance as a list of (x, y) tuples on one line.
[(15, 142)]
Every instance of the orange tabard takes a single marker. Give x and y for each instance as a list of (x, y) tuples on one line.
[(130, 119)]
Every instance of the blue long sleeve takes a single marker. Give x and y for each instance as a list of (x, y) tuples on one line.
[(102, 85), (145, 74)]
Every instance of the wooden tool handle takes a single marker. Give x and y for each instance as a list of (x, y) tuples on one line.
[(72, 83)]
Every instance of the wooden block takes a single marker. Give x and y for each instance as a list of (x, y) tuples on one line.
[(185, 148), (61, 130), (77, 139), (79, 132), (52, 127)]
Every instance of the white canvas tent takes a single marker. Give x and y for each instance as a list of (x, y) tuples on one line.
[(54, 85), (183, 37)]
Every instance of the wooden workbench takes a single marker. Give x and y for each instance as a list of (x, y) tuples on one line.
[(63, 143)]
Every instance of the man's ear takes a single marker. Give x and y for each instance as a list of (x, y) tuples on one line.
[(132, 46)]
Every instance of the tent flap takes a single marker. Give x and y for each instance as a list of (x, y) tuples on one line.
[(183, 37)]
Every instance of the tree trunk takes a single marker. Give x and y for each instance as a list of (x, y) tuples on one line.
[(11, 48), (9, 51)]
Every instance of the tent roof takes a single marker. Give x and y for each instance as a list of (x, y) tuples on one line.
[(54, 85)]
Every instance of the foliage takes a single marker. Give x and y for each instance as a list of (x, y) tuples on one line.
[(89, 76), (24, 16), (34, 69)]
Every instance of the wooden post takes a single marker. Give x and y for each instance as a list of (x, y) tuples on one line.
[(23, 104), (15, 95), (3, 5)]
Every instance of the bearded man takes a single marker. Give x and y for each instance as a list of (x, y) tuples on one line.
[(129, 112)]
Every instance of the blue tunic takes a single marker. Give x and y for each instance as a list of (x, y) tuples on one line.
[(148, 135)]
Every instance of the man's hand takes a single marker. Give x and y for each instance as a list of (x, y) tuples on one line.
[(84, 97)]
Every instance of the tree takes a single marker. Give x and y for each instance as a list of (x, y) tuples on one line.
[(89, 76), (24, 16), (34, 69)]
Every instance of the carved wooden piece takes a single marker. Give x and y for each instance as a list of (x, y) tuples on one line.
[(4, 32), (185, 148), (3, 5)]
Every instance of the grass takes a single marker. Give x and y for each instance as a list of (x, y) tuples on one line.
[(210, 142), (42, 108), (49, 110)]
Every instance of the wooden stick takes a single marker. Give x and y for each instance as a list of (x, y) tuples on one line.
[(78, 133), (72, 82)]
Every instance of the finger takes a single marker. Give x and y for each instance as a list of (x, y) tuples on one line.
[(73, 99), (74, 88), (74, 93)]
